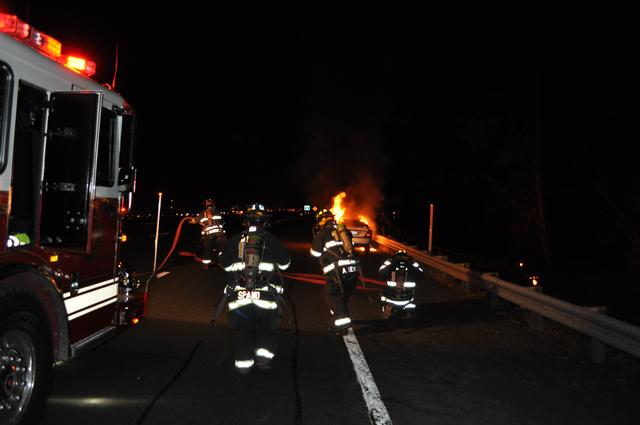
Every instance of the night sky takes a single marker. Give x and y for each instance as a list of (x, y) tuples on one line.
[(518, 121)]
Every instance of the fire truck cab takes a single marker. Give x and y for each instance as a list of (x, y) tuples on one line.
[(66, 182)]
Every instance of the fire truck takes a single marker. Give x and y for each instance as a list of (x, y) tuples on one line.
[(66, 183)]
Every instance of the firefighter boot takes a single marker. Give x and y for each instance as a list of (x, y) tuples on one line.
[(340, 326), (263, 363), (337, 330), (263, 358)]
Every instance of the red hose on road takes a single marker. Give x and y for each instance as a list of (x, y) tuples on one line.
[(175, 242), (153, 272)]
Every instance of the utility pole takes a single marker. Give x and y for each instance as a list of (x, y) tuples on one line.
[(430, 228), (155, 246)]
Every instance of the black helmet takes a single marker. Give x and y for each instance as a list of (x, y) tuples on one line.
[(255, 214), (323, 216), (401, 254)]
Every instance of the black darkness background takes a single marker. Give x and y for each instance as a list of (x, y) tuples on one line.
[(518, 122)]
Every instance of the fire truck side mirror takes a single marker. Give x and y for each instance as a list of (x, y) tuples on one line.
[(127, 179)]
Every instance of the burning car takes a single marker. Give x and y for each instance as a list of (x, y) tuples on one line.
[(361, 232)]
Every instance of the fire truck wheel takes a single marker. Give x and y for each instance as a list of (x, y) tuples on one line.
[(25, 367)]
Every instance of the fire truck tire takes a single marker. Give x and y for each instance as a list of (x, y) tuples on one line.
[(25, 363)]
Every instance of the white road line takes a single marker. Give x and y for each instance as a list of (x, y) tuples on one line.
[(377, 411)]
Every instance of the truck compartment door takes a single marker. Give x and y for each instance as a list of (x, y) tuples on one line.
[(69, 169)]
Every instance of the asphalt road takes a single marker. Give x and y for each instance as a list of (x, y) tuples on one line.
[(455, 363)]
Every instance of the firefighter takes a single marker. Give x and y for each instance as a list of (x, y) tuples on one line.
[(213, 235), (400, 272), (252, 260), (333, 247)]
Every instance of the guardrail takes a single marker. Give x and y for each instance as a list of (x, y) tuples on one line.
[(610, 331)]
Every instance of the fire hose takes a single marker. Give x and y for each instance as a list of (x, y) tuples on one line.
[(173, 247), (175, 241)]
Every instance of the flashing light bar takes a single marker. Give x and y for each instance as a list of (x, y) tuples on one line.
[(45, 44), (11, 25), (81, 65)]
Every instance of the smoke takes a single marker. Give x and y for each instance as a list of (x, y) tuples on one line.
[(343, 140), (342, 156), (364, 197)]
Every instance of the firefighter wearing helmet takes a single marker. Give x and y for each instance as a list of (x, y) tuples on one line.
[(252, 260), (333, 247), (212, 234), (322, 216), (400, 272)]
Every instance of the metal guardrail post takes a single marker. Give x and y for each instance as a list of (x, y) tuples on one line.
[(536, 321), (598, 348), (429, 245), (494, 301), (491, 274)]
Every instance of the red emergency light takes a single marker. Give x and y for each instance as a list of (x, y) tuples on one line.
[(11, 25), (82, 65), (45, 44)]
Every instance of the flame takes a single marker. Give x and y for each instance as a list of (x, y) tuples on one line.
[(364, 219), (347, 209), (338, 210)]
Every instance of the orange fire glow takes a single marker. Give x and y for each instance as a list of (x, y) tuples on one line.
[(338, 210), (362, 249), (347, 209), (364, 219)]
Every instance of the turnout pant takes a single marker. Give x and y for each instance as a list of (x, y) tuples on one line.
[(211, 246), (207, 242), (338, 293), (255, 333)]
